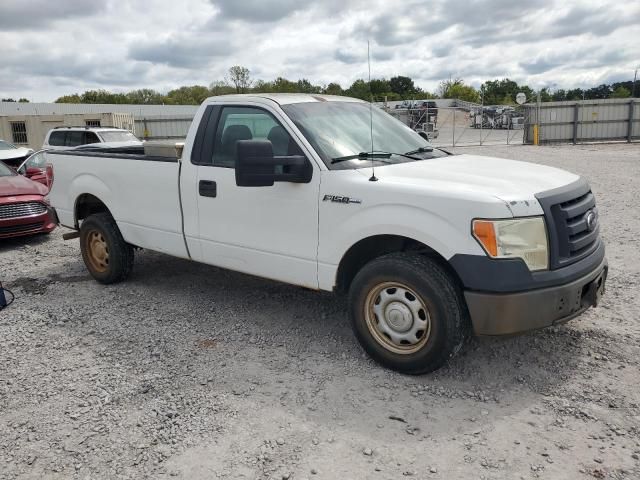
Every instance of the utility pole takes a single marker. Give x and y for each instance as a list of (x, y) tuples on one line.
[(635, 75)]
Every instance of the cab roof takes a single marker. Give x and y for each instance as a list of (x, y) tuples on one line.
[(284, 98)]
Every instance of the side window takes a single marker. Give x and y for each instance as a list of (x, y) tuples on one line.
[(90, 137), (56, 139), (74, 139), (247, 123)]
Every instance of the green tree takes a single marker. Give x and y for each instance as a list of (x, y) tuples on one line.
[(359, 89), (282, 85), (240, 78), (601, 91), (305, 86), (403, 86), (193, 95), (8, 99), (574, 94), (559, 95), (457, 89), (23, 100), (74, 98), (545, 95), (220, 87), (145, 96), (333, 89), (621, 92), (504, 91)]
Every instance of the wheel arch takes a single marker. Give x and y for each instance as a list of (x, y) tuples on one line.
[(374, 246), (87, 204)]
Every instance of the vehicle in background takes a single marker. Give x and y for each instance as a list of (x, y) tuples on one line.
[(12, 155), (24, 208), (34, 168), (327, 193), (496, 116), (60, 138)]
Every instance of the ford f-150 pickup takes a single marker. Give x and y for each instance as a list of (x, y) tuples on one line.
[(328, 193)]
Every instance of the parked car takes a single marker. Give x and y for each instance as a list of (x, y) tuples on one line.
[(12, 155), (69, 137), (34, 168), (24, 209), (326, 193)]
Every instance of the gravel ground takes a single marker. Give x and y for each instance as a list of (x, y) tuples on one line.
[(193, 372)]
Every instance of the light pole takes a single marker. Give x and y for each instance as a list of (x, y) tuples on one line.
[(635, 75)]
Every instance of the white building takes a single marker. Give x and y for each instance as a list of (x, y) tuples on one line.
[(27, 123)]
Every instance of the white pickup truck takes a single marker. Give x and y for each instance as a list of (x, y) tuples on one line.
[(330, 194)]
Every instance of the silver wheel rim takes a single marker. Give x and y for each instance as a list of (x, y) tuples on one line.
[(397, 318)]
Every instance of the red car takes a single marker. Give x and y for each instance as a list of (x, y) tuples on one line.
[(23, 207)]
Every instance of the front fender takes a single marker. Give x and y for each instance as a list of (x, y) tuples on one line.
[(446, 236)]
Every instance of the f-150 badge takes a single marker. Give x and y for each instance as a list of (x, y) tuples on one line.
[(340, 199)]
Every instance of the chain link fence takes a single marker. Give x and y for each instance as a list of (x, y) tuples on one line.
[(470, 124)]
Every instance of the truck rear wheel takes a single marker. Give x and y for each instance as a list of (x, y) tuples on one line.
[(106, 255), (407, 312)]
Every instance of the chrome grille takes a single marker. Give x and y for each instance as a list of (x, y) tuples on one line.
[(23, 209)]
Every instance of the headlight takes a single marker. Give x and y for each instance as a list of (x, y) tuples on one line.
[(524, 238)]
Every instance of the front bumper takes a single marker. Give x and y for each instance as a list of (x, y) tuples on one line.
[(509, 313), (28, 225)]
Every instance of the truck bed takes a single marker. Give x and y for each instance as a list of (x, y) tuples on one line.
[(141, 192)]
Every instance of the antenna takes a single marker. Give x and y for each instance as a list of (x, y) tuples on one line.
[(373, 169)]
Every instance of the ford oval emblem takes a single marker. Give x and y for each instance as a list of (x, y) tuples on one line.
[(591, 219)]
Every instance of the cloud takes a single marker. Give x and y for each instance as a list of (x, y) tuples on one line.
[(182, 52), (50, 48), (29, 14), (257, 11)]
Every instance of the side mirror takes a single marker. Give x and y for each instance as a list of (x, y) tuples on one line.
[(256, 166)]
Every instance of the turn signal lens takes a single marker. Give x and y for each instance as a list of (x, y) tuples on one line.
[(486, 235)]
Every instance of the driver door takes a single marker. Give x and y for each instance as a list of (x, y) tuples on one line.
[(269, 231)]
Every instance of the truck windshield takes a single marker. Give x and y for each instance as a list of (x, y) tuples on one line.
[(341, 134)]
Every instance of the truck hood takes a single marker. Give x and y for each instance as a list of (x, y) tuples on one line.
[(18, 185), (514, 182)]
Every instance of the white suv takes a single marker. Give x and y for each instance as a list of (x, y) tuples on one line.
[(59, 138)]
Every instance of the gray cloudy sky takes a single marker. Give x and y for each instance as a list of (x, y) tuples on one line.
[(51, 48)]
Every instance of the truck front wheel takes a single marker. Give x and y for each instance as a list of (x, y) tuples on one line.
[(407, 312), (106, 255)]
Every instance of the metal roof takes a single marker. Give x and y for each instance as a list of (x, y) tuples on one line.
[(138, 111)]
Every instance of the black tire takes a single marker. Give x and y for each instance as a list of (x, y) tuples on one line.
[(118, 263), (432, 284)]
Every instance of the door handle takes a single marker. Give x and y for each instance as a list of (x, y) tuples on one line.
[(207, 188)]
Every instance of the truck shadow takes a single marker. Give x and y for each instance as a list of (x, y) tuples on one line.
[(232, 311)]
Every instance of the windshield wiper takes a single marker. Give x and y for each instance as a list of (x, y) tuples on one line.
[(420, 150), (376, 155)]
